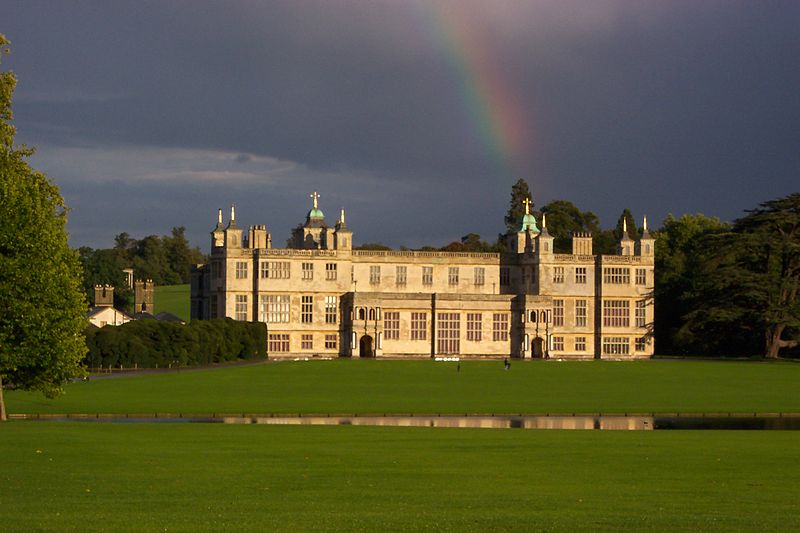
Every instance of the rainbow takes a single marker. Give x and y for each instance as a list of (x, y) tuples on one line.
[(495, 109)]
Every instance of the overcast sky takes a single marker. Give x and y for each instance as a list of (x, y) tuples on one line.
[(416, 116)]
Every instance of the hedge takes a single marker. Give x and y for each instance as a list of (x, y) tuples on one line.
[(153, 343)]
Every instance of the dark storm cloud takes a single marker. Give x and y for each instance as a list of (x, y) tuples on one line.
[(658, 106)]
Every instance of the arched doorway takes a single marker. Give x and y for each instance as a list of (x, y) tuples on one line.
[(538, 348), (365, 347)]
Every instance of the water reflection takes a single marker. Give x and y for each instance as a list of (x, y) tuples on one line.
[(767, 421), (492, 422)]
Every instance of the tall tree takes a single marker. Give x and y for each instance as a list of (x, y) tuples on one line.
[(516, 208), (42, 308), (752, 278), (679, 259)]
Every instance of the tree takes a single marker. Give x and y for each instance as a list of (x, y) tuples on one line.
[(516, 208), (626, 218), (105, 266), (563, 219), (372, 246), (679, 256), (752, 278), (42, 308)]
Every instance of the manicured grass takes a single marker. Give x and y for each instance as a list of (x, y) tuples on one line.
[(182, 477), (359, 386), (172, 299)]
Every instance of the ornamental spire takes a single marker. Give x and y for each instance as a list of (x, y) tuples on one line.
[(341, 217), (219, 216), (233, 214), (644, 224), (315, 197), (544, 220), (527, 202)]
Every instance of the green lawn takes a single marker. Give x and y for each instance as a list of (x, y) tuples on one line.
[(205, 477), (172, 299), (358, 386)]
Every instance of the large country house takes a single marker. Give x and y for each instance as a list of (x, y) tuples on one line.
[(322, 298)]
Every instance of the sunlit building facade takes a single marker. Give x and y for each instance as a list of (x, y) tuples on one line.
[(320, 297)]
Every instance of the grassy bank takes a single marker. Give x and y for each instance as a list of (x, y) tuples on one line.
[(172, 299), (358, 386), (172, 477)]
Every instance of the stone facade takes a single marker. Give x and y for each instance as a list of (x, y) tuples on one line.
[(322, 298)]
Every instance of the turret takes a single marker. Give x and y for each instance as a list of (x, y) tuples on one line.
[(625, 245), (313, 235), (343, 237), (544, 242), (233, 233), (143, 296), (103, 296), (218, 233), (527, 231), (645, 246)]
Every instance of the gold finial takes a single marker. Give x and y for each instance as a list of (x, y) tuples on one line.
[(233, 213), (644, 224), (624, 224), (341, 217), (527, 202), (315, 197), (219, 216), (544, 220)]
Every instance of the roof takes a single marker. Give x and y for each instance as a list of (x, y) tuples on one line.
[(529, 223), (94, 311), (169, 317)]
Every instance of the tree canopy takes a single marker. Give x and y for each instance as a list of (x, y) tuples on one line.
[(166, 260), (516, 208), (750, 278), (563, 219), (42, 308)]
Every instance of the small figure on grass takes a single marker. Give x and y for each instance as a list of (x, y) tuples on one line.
[(506, 364)]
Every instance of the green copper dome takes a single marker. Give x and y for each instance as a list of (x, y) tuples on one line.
[(315, 213), (529, 222)]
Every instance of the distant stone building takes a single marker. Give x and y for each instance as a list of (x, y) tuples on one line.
[(321, 297), (143, 296), (103, 313)]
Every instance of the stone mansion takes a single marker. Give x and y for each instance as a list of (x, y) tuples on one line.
[(320, 297)]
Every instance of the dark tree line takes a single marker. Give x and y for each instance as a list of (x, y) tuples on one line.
[(154, 343), (166, 260), (730, 289)]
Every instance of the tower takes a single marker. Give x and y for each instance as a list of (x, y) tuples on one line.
[(544, 242), (143, 296), (343, 237), (313, 235), (233, 233), (645, 246), (218, 233), (103, 296), (527, 230), (625, 245)]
